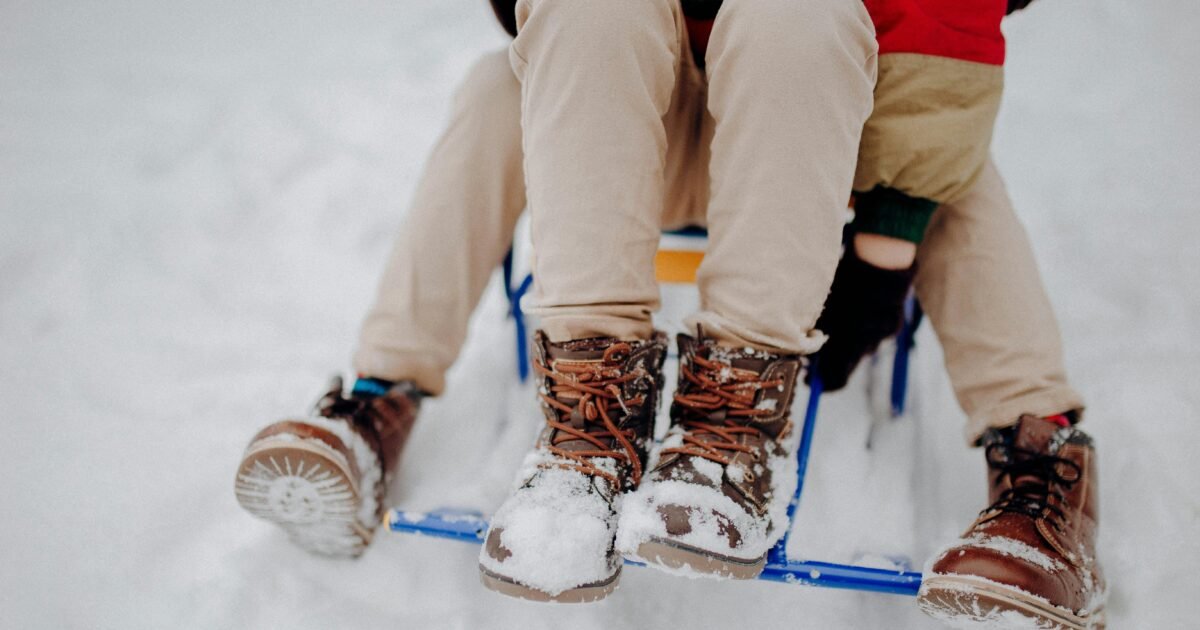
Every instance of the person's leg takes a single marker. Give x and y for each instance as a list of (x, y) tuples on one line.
[(597, 79), (458, 228), (979, 283), (790, 86), (789, 89), (322, 477)]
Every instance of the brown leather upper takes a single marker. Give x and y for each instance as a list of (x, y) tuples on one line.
[(734, 406), (1043, 493), (599, 397), (384, 421)]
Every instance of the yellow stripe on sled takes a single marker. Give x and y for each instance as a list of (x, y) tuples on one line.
[(671, 265)]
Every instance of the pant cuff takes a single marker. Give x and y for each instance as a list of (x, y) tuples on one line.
[(1042, 404), (429, 376)]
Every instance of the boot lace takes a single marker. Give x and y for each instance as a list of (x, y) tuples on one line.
[(718, 386), (335, 404), (597, 392), (1034, 477)]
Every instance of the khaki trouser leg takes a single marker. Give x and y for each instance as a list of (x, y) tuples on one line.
[(790, 86), (597, 79), (457, 231), (979, 283)]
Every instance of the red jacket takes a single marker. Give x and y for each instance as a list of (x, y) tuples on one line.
[(959, 29)]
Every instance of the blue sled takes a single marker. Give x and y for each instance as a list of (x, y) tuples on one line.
[(472, 526)]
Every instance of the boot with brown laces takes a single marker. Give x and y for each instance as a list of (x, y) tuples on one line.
[(552, 540), (1029, 560), (323, 478), (717, 499)]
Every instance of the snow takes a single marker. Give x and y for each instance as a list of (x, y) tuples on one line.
[(641, 519), (196, 202), (1013, 548), (557, 527), (986, 616)]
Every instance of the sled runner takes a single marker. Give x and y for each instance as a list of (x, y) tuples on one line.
[(676, 263), (472, 526)]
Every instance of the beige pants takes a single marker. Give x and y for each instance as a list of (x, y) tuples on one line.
[(608, 88), (978, 279), (979, 283)]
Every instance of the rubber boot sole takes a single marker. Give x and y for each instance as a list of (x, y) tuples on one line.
[(675, 556), (592, 592), (951, 597), (303, 488)]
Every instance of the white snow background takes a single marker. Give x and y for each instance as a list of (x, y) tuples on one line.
[(197, 199)]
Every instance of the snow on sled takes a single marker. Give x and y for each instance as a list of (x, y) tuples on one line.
[(887, 569)]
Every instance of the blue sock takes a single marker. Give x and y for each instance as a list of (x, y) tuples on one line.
[(369, 387)]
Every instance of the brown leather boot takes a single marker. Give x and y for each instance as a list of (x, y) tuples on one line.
[(323, 478), (717, 500), (1029, 560), (552, 539)]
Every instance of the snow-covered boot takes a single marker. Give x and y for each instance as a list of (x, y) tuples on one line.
[(552, 539), (1029, 560), (717, 499), (323, 478)]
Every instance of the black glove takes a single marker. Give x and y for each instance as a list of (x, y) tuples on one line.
[(701, 9), (865, 306), (506, 12), (1017, 5)]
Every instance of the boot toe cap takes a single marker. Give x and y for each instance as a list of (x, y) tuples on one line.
[(1027, 570)]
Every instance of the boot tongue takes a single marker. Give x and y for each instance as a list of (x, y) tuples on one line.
[(750, 365), (747, 359), (1039, 436), (579, 352), (1036, 434), (579, 349)]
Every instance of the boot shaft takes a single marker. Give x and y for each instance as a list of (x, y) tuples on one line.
[(385, 421), (583, 373), (751, 387)]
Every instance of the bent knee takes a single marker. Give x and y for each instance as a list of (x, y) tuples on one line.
[(604, 22), (490, 83)]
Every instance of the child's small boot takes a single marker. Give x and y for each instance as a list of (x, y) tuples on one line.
[(552, 540), (323, 478), (1029, 560), (717, 499)]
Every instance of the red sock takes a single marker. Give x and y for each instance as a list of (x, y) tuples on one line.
[(1059, 419)]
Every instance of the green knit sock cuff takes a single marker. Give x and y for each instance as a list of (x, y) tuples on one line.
[(889, 212)]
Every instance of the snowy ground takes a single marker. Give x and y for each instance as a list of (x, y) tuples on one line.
[(196, 201)]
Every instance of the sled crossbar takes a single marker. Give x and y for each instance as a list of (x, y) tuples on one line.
[(470, 526)]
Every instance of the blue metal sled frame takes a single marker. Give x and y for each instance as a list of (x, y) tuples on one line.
[(472, 526)]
